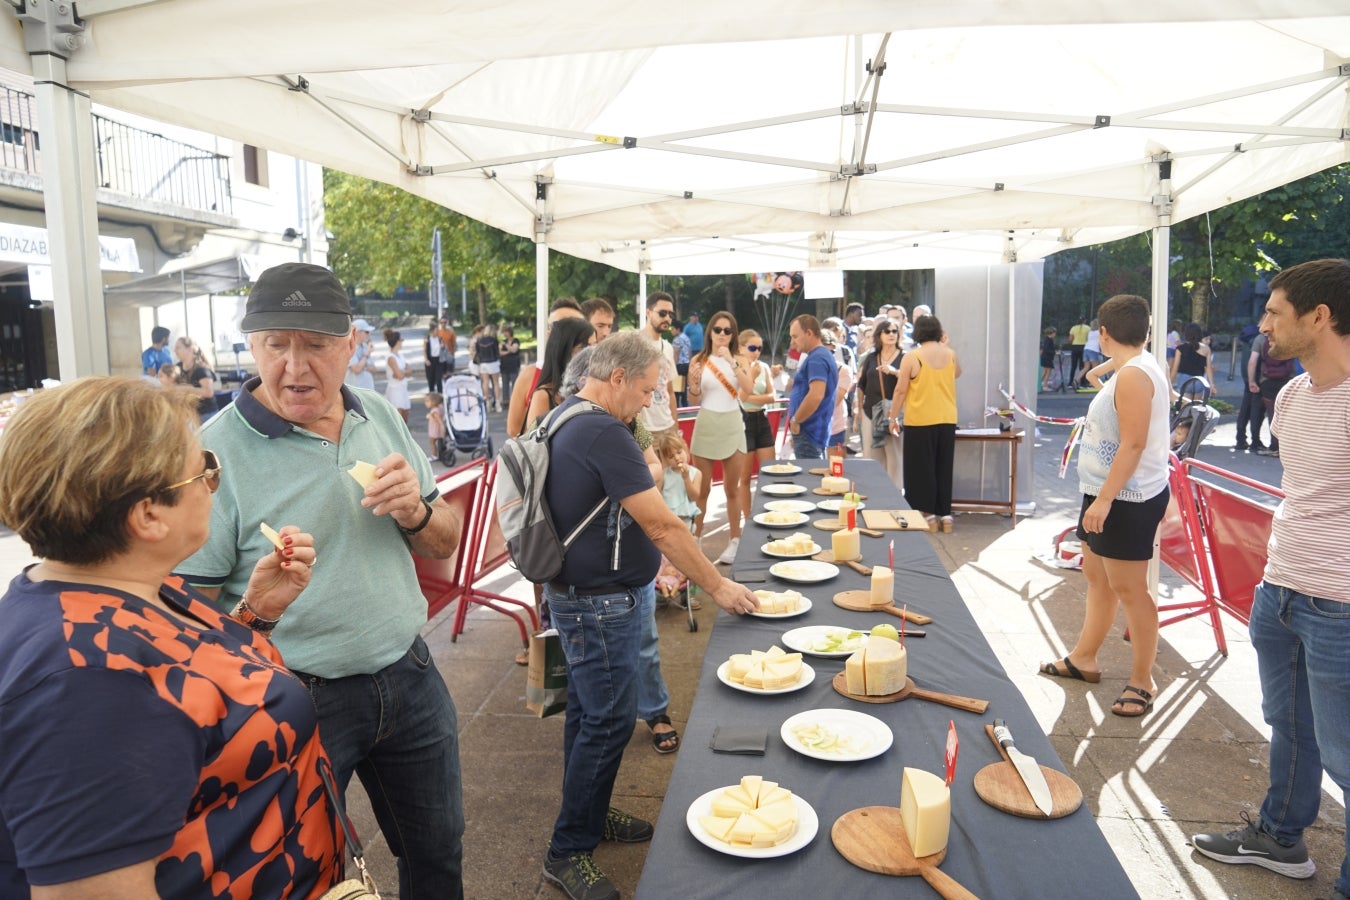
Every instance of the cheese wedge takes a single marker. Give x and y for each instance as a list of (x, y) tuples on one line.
[(363, 472), (925, 811), (775, 794), (846, 545), (883, 586), (271, 534), (729, 807), (751, 784), (717, 826), (855, 676)]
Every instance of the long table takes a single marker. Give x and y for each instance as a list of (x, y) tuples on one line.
[(992, 854)]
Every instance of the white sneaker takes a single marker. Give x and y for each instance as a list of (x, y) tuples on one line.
[(729, 555)]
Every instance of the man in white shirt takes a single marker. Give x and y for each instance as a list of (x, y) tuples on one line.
[(1300, 619), (661, 416)]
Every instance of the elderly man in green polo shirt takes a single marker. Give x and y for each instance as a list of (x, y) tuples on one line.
[(294, 442)]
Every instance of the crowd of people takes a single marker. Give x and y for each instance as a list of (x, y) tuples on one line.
[(237, 663)]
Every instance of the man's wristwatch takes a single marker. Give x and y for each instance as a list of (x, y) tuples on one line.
[(420, 525)]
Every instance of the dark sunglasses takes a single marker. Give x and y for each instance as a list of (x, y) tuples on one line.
[(753, 348), (211, 474), (721, 329), (888, 331), (662, 313)]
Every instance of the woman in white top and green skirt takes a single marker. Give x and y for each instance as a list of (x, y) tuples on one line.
[(718, 382), (1122, 472)]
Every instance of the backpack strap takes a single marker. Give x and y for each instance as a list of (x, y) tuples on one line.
[(546, 429)]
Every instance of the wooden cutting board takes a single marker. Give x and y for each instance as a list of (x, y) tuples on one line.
[(824, 493), (956, 701), (861, 601), (999, 785), (890, 519), (873, 838)]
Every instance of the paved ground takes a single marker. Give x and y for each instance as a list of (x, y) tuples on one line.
[(1192, 765)]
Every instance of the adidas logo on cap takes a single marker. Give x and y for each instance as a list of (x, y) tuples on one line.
[(295, 298)]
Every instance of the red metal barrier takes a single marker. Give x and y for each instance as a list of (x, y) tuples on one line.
[(486, 553), (440, 579), (1215, 539)]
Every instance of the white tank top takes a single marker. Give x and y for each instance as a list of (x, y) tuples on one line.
[(1101, 438)]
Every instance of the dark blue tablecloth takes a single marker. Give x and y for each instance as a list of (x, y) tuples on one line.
[(992, 854)]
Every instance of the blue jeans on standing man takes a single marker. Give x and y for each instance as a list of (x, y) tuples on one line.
[(600, 635), (652, 697), (396, 730), (804, 448), (1303, 656)]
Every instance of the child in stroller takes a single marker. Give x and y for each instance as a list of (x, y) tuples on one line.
[(465, 415), (679, 482), (1192, 417)]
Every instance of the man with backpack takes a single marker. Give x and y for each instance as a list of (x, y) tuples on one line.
[(597, 596), (1275, 374)]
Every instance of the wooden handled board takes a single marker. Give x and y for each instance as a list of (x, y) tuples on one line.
[(873, 838), (861, 601), (999, 785), (890, 519), (833, 524), (956, 701)]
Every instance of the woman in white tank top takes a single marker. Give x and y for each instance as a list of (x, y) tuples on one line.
[(1122, 471)]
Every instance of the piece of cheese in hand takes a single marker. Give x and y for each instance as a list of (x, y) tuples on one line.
[(925, 811), (363, 472), (883, 586), (271, 534)]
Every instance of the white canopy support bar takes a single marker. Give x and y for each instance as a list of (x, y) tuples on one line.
[(301, 85), (65, 121), (541, 302)]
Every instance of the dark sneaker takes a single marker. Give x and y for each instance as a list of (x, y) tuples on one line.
[(580, 877), (1251, 845), (1268, 451), (626, 829)]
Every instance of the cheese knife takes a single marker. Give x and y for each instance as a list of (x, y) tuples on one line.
[(1026, 767)]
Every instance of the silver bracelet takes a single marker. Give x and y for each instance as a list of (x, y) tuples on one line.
[(245, 614)]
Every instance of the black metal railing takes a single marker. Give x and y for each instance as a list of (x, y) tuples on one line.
[(129, 160)]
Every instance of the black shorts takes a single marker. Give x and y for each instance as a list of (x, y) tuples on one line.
[(758, 434), (1129, 529)]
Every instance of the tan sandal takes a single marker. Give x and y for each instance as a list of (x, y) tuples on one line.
[(947, 523)]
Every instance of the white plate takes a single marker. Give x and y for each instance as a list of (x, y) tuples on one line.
[(781, 469), (807, 825), (801, 506), (808, 571), (782, 490), (815, 548), (807, 676), (871, 736), (800, 639), (833, 505), (797, 519), (803, 607)]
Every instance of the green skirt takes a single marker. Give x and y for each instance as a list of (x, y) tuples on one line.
[(718, 435)]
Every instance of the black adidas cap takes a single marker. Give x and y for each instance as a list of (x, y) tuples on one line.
[(298, 297)]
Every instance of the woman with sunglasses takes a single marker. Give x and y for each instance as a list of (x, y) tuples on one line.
[(877, 376), (718, 382), (150, 745), (758, 433)]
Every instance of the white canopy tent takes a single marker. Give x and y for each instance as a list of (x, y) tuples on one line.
[(709, 137)]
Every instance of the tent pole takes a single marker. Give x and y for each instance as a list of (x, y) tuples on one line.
[(541, 225), (1162, 255), (1010, 257), (65, 121)]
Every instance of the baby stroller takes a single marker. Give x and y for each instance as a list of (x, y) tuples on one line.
[(1192, 417), (465, 419)]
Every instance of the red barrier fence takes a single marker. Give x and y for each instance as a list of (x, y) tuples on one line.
[(1215, 539)]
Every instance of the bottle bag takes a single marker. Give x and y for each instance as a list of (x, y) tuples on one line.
[(522, 508), (546, 679)]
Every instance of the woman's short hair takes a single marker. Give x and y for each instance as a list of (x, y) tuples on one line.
[(926, 328), (631, 351), (1126, 319), (75, 459), (744, 337)]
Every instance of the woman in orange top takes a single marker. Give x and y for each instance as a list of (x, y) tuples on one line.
[(925, 401)]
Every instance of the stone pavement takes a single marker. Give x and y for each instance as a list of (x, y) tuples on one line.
[(1196, 761)]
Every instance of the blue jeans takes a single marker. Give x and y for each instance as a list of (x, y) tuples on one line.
[(1303, 656), (804, 448), (652, 697), (396, 730), (600, 636)]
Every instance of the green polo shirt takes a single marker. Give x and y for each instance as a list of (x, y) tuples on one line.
[(363, 608)]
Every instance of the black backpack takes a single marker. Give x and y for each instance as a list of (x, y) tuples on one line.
[(1272, 368), (522, 507)]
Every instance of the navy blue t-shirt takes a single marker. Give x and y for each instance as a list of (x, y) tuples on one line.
[(594, 456), (818, 365)]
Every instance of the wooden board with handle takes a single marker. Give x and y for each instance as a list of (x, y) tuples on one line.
[(833, 524), (854, 564), (956, 701), (873, 838), (999, 785), (895, 520), (861, 601)]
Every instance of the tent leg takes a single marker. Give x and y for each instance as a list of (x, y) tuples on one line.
[(1162, 240), (540, 295), (69, 182)]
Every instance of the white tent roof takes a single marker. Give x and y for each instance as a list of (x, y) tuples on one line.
[(995, 129)]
